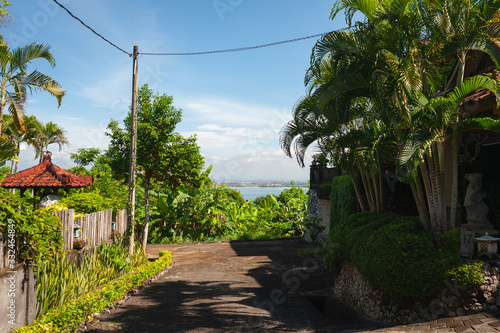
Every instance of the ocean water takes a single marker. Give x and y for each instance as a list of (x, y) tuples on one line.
[(250, 193)]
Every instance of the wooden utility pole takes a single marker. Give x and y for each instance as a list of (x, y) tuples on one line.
[(133, 153)]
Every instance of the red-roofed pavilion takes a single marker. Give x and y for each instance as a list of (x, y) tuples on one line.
[(45, 176)]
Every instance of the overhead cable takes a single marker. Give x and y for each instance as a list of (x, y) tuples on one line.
[(188, 53), (231, 50), (96, 33)]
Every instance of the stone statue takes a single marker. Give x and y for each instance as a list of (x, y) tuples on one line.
[(477, 210), (48, 201)]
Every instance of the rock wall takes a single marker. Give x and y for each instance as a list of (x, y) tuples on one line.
[(319, 208), (354, 291)]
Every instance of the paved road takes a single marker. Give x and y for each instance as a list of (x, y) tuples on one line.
[(259, 286)]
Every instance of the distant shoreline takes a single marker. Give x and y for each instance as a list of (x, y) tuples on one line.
[(265, 184), (254, 186)]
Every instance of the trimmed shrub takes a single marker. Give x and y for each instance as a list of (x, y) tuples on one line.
[(397, 256), (343, 200), (68, 317)]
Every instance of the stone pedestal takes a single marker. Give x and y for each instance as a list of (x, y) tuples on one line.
[(467, 236)]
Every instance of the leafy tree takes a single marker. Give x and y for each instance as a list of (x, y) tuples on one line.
[(162, 154), (106, 191), (85, 156), (16, 82)]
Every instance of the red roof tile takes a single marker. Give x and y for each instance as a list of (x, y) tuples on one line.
[(481, 94), (45, 175), (478, 95)]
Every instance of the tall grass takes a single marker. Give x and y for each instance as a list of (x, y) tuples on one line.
[(60, 280)]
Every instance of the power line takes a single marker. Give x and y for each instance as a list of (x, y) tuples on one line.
[(246, 48), (233, 49), (96, 33)]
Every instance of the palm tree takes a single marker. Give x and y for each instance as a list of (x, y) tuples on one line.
[(466, 27), (12, 134), (48, 133), (383, 74), (16, 82)]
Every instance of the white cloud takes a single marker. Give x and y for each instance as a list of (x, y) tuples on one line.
[(223, 112)]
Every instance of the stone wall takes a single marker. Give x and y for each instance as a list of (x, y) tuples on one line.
[(321, 209), (354, 291)]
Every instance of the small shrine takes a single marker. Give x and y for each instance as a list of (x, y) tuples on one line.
[(46, 177)]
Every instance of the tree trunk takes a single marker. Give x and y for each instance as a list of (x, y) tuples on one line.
[(366, 184), (2, 107), (375, 192), (433, 207), (432, 175), (420, 200), (454, 185), (439, 161), (146, 212), (361, 200), (454, 153), (380, 184)]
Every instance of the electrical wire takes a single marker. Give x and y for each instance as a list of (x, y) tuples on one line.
[(231, 50), (189, 53), (96, 33)]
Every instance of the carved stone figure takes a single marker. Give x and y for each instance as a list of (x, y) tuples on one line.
[(48, 201), (477, 210)]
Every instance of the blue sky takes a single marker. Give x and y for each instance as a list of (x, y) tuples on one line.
[(236, 103)]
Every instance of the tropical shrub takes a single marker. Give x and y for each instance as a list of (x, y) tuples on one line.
[(292, 193), (91, 202), (105, 192), (216, 212), (69, 316), (38, 232), (61, 279), (396, 255)]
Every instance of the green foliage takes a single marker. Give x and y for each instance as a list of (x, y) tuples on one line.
[(86, 203), (162, 154), (61, 280), (395, 255), (8, 151), (343, 200), (293, 193), (106, 191), (466, 274), (216, 212), (4, 14), (5, 170), (69, 316), (85, 156), (39, 230)]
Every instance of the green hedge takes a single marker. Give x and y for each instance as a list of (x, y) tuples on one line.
[(343, 200), (396, 255), (68, 317)]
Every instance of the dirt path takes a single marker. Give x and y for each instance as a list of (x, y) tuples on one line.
[(224, 287)]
